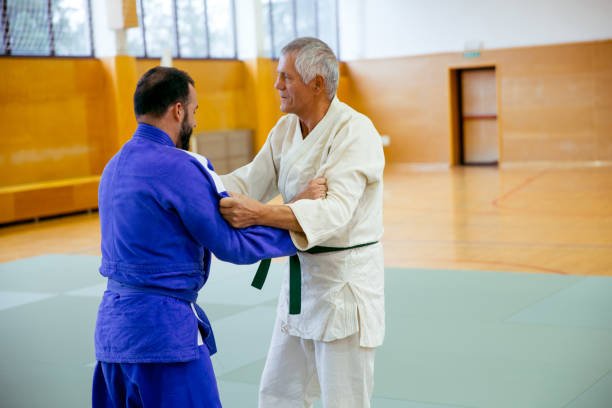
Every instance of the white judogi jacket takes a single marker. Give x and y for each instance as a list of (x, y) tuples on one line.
[(342, 292)]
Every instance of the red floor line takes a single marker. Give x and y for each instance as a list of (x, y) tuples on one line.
[(496, 202)]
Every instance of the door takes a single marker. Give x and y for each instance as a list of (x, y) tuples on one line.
[(478, 116)]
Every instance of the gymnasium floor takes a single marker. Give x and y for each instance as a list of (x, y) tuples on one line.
[(498, 282)]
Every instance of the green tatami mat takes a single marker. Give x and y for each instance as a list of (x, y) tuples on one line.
[(454, 338)]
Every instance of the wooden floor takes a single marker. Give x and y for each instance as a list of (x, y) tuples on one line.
[(479, 218)]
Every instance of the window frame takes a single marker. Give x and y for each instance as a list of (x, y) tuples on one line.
[(176, 34), (6, 34)]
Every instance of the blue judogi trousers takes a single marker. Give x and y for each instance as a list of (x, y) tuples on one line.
[(189, 384)]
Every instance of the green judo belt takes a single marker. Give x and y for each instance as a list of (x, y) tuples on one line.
[(295, 274)]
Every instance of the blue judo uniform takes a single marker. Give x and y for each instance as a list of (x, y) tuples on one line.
[(160, 221)]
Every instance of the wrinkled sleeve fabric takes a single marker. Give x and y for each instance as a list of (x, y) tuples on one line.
[(355, 159), (195, 198)]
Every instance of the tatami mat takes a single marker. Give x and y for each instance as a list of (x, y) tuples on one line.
[(454, 338)]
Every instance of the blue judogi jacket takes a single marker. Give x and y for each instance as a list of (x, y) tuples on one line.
[(160, 221)]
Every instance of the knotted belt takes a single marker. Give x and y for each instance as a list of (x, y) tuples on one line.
[(295, 273), (189, 296)]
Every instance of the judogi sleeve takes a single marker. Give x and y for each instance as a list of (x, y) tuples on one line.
[(355, 159), (195, 198), (259, 178)]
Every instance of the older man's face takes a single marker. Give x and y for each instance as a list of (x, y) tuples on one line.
[(296, 96)]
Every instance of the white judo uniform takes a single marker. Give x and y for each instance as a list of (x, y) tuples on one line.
[(342, 292)]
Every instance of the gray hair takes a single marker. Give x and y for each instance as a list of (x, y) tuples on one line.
[(313, 57)]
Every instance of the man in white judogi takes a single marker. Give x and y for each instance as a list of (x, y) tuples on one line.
[(326, 348)]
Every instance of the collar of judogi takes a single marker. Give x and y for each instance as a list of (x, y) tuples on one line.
[(153, 133)]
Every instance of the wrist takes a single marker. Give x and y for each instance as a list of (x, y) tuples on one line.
[(262, 214)]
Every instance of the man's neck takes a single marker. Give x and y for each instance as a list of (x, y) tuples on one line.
[(310, 120), (160, 124)]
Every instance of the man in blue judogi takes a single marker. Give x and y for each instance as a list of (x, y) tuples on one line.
[(160, 222)]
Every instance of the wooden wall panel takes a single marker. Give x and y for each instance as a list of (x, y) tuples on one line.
[(554, 102), (602, 115), (60, 122), (548, 104), (54, 119), (407, 99), (223, 95)]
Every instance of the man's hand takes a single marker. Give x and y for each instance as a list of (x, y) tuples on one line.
[(241, 211), (316, 188)]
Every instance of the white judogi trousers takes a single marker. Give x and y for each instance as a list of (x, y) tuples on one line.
[(299, 371)]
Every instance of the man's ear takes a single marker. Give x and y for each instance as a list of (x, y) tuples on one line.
[(177, 110), (318, 84)]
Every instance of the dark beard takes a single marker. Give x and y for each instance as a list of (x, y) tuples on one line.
[(185, 135)]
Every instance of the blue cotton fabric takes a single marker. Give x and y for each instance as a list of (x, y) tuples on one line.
[(160, 222), (191, 384)]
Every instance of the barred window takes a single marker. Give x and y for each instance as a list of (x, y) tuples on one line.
[(192, 29), (46, 28), (186, 28), (285, 20)]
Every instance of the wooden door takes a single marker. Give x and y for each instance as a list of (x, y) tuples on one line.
[(478, 98)]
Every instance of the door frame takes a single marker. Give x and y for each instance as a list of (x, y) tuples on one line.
[(456, 147)]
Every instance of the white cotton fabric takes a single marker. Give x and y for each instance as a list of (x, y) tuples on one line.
[(342, 292), (299, 371)]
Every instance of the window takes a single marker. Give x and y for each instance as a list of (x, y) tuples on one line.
[(185, 28), (328, 23), (221, 17), (46, 28), (3, 42), (192, 28), (306, 25), (285, 20)]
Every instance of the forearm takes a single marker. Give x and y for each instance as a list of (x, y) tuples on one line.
[(279, 216)]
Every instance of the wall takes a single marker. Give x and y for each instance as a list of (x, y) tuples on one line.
[(223, 96), (554, 102), (553, 67), (63, 119), (55, 119)]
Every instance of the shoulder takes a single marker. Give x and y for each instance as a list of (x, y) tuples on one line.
[(198, 159), (186, 162), (287, 120), (112, 163), (285, 125), (355, 125), (355, 118), (194, 167), (165, 162)]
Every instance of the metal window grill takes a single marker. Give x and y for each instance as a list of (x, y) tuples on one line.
[(46, 28), (187, 28), (285, 20)]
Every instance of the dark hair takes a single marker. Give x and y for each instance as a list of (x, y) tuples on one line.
[(159, 88)]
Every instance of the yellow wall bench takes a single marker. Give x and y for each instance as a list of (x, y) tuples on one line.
[(36, 200)]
